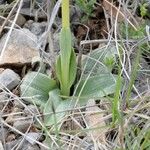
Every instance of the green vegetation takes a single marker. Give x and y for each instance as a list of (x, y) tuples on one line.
[(96, 80), (144, 12)]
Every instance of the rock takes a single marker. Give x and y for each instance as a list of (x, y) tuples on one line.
[(10, 145), (28, 24), (22, 125), (10, 137), (31, 109), (28, 146), (27, 3), (36, 11), (37, 28), (21, 47), (75, 14), (3, 98), (9, 79), (3, 133), (1, 146), (20, 20), (31, 137)]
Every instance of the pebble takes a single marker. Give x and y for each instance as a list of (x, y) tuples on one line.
[(3, 98), (11, 144), (9, 79), (20, 20), (20, 49), (1, 146), (3, 133), (28, 146), (31, 109), (22, 125), (38, 28), (31, 137)]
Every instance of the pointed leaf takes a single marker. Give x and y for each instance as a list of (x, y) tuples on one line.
[(96, 87), (56, 108), (36, 86), (98, 58), (65, 45), (73, 68), (58, 69)]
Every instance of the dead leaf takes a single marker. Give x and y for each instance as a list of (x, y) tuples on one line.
[(114, 12), (95, 120)]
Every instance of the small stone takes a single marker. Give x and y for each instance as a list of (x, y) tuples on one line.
[(38, 28), (9, 79), (10, 145), (28, 24), (34, 9), (20, 20), (26, 4), (20, 49), (75, 14), (1, 146), (31, 137), (31, 109), (34, 13), (10, 137), (22, 125), (3, 133), (28, 146), (3, 98)]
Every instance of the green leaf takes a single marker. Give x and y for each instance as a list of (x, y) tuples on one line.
[(98, 59), (56, 108), (65, 46), (132, 34), (58, 69), (36, 86), (95, 87), (73, 68), (144, 9), (66, 64)]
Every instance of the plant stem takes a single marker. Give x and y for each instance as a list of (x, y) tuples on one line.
[(65, 14), (65, 47)]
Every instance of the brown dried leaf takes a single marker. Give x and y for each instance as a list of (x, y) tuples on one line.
[(114, 12)]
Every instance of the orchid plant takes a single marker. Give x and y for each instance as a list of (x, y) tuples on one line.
[(96, 80)]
